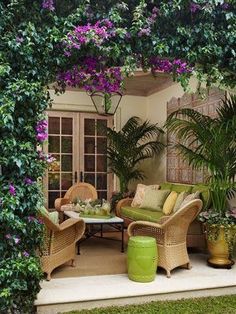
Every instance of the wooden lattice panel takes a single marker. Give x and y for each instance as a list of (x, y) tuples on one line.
[(178, 170)]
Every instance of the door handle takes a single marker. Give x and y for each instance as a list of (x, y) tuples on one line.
[(76, 177), (81, 176)]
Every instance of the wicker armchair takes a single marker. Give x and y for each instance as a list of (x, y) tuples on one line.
[(59, 243), (170, 235), (82, 190)]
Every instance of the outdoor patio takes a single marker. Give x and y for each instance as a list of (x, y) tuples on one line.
[(100, 279)]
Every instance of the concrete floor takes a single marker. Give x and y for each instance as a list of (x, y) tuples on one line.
[(65, 294)]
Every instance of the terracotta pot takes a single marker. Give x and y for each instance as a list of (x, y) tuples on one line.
[(218, 249)]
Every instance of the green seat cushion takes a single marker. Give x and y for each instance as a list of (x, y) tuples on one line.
[(205, 195), (181, 188), (135, 213), (43, 211), (166, 186), (54, 217)]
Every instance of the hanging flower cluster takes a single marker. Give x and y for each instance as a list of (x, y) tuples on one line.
[(93, 75), (41, 129), (146, 31), (164, 65), (95, 34)]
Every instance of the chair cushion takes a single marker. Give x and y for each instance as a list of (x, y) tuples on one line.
[(140, 191), (154, 200), (54, 217), (179, 201), (170, 203), (205, 195), (135, 213)]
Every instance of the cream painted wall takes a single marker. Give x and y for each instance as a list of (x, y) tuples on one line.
[(80, 101), (157, 113)]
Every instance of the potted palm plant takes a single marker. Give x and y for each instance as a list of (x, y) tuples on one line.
[(209, 143), (127, 148)]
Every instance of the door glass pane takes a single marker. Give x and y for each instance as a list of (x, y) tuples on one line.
[(101, 145), (89, 163), (66, 162), (53, 125), (51, 198), (101, 181), (101, 163), (66, 181), (102, 195), (53, 181), (89, 145), (66, 126), (89, 127), (100, 126), (89, 178), (66, 144), (55, 166), (54, 144)]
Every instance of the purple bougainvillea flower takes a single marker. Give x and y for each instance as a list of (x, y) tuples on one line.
[(19, 39), (28, 181), (41, 129), (17, 240), (12, 189), (225, 6), (31, 218), (195, 7), (8, 236), (26, 254), (48, 5)]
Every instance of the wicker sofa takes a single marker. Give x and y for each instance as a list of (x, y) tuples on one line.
[(195, 236)]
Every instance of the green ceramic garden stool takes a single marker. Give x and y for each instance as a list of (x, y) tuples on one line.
[(142, 258)]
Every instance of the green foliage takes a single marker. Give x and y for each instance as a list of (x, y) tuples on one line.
[(32, 55), (212, 305), (135, 142), (210, 143)]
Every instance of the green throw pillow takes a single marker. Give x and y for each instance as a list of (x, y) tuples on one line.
[(181, 188), (166, 186), (154, 199)]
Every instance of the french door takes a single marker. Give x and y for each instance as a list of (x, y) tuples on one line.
[(79, 146)]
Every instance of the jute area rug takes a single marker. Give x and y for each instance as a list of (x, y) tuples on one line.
[(97, 257)]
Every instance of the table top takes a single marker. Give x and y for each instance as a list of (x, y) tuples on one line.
[(115, 219)]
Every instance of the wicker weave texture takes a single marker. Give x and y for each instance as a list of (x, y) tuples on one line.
[(170, 235), (59, 243), (82, 190)]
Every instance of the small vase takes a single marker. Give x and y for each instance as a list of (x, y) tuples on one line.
[(218, 249)]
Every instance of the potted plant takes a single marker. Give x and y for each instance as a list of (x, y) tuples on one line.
[(127, 148), (209, 143)]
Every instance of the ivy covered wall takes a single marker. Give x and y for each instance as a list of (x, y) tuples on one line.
[(91, 44)]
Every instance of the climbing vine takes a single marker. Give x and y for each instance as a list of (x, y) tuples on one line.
[(91, 44)]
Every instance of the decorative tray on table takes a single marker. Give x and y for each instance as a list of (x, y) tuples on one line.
[(82, 215)]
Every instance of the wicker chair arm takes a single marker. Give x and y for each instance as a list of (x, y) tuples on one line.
[(70, 222), (61, 201), (138, 226), (163, 219), (124, 202)]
